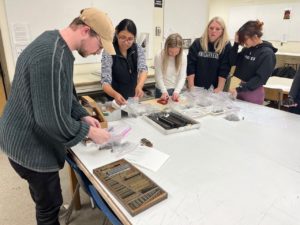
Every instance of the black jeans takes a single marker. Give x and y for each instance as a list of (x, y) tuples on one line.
[(295, 110), (45, 191)]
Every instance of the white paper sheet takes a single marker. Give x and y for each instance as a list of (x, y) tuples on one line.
[(148, 158)]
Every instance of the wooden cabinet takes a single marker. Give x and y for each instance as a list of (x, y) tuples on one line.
[(2, 94), (287, 59)]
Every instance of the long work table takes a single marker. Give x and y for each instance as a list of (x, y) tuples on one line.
[(90, 82), (226, 172), (279, 83)]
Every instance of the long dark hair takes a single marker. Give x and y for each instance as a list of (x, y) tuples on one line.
[(250, 29), (125, 24)]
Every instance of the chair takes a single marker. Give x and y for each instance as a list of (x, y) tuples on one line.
[(88, 187), (274, 94), (232, 81)]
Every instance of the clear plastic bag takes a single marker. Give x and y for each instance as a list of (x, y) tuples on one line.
[(232, 117), (122, 148), (203, 102), (135, 109), (232, 113), (117, 133)]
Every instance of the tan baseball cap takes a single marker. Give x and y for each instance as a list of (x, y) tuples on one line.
[(102, 25)]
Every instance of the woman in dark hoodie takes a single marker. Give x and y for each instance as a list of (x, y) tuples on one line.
[(208, 57), (254, 64)]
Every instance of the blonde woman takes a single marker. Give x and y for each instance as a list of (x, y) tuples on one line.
[(208, 57), (170, 69)]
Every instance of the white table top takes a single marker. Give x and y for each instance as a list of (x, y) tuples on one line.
[(280, 83), (287, 53), (89, 82), (244, 172)]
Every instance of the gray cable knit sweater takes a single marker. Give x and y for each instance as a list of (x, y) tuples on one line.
[(42, 116)]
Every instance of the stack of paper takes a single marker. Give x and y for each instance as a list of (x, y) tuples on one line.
[(148, 158)]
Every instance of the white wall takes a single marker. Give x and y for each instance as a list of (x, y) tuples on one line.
[(59, 14), (222, 9), (7, 51), (31, 14), (187, 18), (189, 22)]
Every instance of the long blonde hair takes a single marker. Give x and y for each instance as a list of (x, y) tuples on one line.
[(173, 41), (221, 42)]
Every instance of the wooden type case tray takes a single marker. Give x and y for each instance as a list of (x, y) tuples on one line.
[(133, 189)]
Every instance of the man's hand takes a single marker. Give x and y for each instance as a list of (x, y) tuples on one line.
[(91, 121), (99, 135)]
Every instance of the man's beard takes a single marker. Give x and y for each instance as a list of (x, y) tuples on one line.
[(82, 52)]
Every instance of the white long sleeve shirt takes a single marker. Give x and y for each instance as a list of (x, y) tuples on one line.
[(172, 78)]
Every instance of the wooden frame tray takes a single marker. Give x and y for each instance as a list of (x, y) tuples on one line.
[(133, 189)]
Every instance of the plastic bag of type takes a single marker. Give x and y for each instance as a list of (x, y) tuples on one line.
[(119, 146), (233, 116), (132, 107), (118, 133), (122, 148), (222, 103), (110, 112), (232, 113), (203, 97), (135, 109)]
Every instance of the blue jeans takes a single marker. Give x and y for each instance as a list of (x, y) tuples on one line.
[(45, 191), (158, 92)]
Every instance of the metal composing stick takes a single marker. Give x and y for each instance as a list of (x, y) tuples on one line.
[(139, 201), (118, 169)]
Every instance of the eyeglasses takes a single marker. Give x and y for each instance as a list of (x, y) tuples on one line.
[(126, 39)]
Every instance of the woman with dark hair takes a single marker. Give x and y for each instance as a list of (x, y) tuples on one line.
[(254, 64), (123, 75)]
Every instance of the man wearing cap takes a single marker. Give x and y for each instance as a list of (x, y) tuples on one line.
[(42, 116)]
